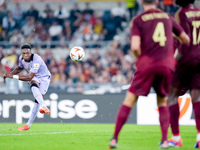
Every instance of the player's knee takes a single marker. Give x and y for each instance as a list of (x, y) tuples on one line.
[(130, 99), (36, 101), (173, 98), (195, 95), (34, 85), (35, 90), (162, 101), (195, 99)]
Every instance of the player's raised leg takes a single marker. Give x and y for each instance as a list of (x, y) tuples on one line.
[(37, 95), (122, 117)]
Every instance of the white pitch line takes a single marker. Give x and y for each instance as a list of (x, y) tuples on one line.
[(36, 133), (15, 134)]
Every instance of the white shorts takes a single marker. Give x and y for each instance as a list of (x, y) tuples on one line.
[(44, 83)]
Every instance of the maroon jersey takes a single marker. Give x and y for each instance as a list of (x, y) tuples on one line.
[(155, 28), (187, 73), (189, 19)]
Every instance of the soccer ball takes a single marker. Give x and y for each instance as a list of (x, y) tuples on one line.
[(77, 53)]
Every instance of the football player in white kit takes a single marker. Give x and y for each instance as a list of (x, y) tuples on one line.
[(38, 78)]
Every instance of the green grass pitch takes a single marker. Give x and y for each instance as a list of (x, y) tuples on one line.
[(86, 137)]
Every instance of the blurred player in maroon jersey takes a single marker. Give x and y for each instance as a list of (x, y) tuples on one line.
[(187, 72), (152, 42)]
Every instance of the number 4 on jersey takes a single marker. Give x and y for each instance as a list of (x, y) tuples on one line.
[(196, 25), (159, 34)]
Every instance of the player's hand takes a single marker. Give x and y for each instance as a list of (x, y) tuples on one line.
[(4, 76), (8, 75)]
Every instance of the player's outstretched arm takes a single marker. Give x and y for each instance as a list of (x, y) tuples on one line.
[(14, 72), (20, 77), (17, 70)]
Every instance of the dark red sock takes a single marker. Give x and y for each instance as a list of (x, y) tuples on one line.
[(164, 121), (174, 118), (122, 116), (196, 108)]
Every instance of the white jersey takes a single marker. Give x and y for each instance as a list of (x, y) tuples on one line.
[(35, 65)]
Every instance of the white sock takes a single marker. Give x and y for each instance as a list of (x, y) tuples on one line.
[(176, 138), (38, 96), (33, 114), (198, 137)]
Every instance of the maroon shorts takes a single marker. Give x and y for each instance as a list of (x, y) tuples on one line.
[(159, 78), (186, 76)]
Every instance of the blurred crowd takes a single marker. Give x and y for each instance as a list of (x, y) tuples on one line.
[(60, 25), (114, 64)]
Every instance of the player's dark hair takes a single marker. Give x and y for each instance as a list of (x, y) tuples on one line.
[(184, 3), (26, 45), (149, 1)]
